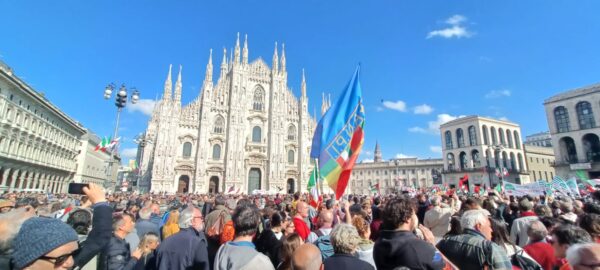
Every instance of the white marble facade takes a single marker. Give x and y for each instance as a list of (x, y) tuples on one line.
[(245, 130)]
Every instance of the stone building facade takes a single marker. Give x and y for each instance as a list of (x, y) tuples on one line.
[(245, 131), (39, 143), (573, 122), (540, 161), (477, 146), (541, 139)]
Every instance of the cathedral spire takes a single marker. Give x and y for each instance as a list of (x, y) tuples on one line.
[(283, 58), (177, 97), (168, 85), (378, 157), (245, 50), (323, 105), (275, 59), (237, 50), (224, 63), (303, 85), (209, 68)]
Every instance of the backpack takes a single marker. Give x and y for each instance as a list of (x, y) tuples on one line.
[(519, 261), (324, 245), (214, 232)]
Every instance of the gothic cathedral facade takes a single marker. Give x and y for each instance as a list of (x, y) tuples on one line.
[(245, 132)]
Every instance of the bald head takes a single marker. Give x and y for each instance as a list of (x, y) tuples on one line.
[(302, 209), (307, 257), (326, 219)]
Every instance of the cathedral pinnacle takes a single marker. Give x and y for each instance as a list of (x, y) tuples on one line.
[(209, 68), (245, 50), (283, 57), (303, 85), (237, 50), (168, 85), (224, 62), (177, 97), (275, 59)]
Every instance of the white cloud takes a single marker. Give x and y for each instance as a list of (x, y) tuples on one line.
[(435, 149), (368, 160), (395, 105), (433, 127), (455, 30), (145, 106), (498, 94), (423, 109), (400, 155), (129, 153)]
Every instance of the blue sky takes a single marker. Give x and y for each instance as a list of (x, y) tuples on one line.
[(423, 62)]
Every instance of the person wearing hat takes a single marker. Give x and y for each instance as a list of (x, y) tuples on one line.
[(6, 206), (48, 243)]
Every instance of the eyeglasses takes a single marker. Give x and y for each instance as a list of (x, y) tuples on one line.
[(58, 260), (200, 217)]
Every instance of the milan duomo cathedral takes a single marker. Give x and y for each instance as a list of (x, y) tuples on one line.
[(246, 131)]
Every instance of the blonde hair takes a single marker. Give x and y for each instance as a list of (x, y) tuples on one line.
[(146, 240)]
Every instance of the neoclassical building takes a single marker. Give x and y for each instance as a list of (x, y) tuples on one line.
[(92, 165), (573, 126), (392, 175), (247, 130), (477, 146), (38, 142)]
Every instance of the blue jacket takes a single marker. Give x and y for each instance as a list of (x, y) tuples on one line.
[(183, 250)]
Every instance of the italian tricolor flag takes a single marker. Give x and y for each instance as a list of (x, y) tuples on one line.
[(313, 193)]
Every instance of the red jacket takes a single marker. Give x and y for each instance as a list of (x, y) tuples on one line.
[(543, 253), (301, 228)]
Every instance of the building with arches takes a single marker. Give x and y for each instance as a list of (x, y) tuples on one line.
[(245, 131), (573, 118), (39, 143), (477, 146)]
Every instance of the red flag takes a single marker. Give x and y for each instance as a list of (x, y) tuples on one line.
[(464, 181)]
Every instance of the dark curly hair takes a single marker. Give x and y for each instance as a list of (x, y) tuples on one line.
[(246, 219), (397, 212), (591, 224)]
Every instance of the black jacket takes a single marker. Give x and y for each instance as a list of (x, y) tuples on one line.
[(267, 244), (116, 256), (98, 237), (183, 250), (402, 248), (346, 261)]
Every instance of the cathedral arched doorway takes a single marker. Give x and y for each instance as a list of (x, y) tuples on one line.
[(213, 185), (291, 186), (253, 180), (184, 184)]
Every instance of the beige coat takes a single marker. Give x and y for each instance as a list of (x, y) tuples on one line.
[(437, 219)]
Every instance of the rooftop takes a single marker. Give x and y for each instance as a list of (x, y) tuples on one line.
[(477, 118), (573, 93)]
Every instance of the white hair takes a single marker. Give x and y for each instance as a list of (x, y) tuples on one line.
[(471, 218), (435, 200), (186, 216), (574, 252), (145, 213)]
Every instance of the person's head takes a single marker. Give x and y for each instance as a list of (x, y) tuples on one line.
[(246, 219), (542, 210), (123, 224), (302, 209), (44, 243), (536, 231), (27, 201), (591, 208), (276, 220), (173, 217), (145, 213), (81, 221), (584, 256), (400, 211), (499, 232), (289, 245), (566, 206), (329, 204), (362, 227), (220, 200), (191, 217), (344, 239), (477, 220), (326, 219), (591, 224), (149, 242), (307, 257), (567, 235), (155, 208), (6, 206), (435, 200), (290, 228), (455, 228), (525, 205), (10, 223), (472, 203)]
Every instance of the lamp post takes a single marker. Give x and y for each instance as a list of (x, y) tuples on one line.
[(498, 149), (120, 102), (142, 141)]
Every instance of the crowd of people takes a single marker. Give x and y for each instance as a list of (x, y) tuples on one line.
[(219, 231)]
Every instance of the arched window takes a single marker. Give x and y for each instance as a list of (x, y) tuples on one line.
[(509, 138), (462, 157), (219, 126), (187, 149), (494, 139), (216, 152), (584, 115), (460, 138), (291, 133), (256, 134), (501, 135), (472, 136), (485, 135), (450, 158), (475, 158), (291, 157), (517, 139), (448, 136), (561, 116), (258, 99)]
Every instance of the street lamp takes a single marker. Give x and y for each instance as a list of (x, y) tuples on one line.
[(120, 102), (498, 149), (141, 140)]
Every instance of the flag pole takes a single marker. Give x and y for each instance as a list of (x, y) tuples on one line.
[(317, 177)]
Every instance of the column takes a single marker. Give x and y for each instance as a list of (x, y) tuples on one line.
[(5, 176), (44, 184), (62, 183), (14, 179), (35, 180), (24, 176)]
